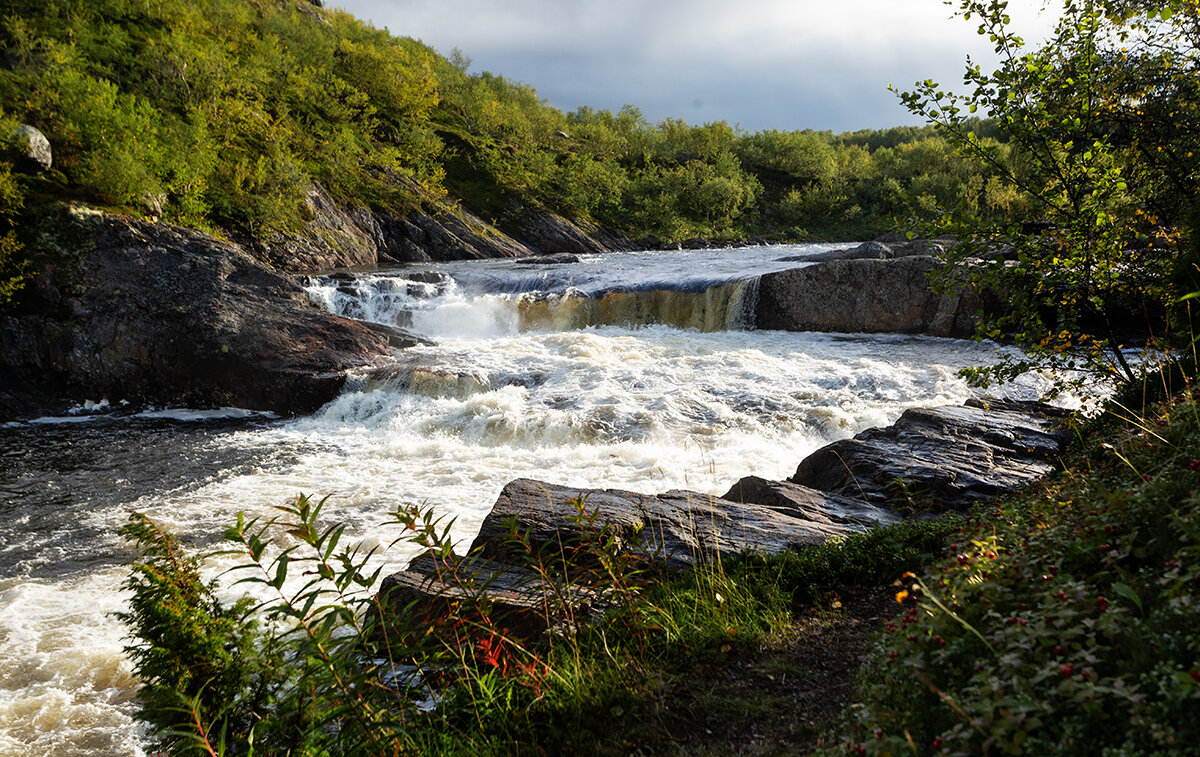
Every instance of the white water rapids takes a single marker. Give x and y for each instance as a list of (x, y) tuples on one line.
[(625, 370)]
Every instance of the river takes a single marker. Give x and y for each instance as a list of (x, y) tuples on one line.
[(629, 370)]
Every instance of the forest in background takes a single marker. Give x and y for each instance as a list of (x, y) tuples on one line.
[(220, 114)]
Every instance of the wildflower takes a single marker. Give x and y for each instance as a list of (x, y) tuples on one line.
[(901, 596)]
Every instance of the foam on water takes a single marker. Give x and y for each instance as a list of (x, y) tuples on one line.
[(67, 688)]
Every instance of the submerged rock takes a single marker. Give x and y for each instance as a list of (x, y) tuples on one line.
[(557, 258)]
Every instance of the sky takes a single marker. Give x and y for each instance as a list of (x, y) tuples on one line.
[(756, 64)]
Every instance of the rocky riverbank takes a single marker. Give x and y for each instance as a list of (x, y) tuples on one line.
[(929, 461)]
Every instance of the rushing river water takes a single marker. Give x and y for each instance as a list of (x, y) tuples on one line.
[(630, 370)]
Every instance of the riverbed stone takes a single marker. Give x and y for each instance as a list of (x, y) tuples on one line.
[(942, 458)]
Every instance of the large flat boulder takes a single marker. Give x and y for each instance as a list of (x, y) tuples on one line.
[(943, 458), (809, 504), (678, 528), (947, 458)]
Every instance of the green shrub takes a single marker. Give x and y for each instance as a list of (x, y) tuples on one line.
[(1065, 621)]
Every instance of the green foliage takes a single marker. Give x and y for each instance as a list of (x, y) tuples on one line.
[(14, 265), (209, 674), (221, 114), (322, 665), (1065, 620), (1083, 119)]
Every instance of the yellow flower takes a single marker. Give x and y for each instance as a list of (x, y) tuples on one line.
[(901, 596)]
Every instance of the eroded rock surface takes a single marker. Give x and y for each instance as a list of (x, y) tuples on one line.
[(678, 528), (947, 457), (865, 295), (159, 314)]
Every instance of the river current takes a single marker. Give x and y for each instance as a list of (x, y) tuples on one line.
[(627, 370)]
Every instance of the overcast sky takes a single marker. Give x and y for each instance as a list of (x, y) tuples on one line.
[(759, 64)]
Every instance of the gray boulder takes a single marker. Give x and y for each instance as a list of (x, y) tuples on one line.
[(678, 528), (30, 150), (809, 504), (867, 295), (948, 458)]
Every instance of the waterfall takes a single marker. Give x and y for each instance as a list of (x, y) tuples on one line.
[(436, 305)]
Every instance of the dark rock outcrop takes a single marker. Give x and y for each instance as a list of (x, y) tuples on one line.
[(548, 232), (341, 237), (154, 313), (948, 458), (865, 295)]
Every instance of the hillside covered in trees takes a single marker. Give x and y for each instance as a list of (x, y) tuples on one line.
[(221, 114)]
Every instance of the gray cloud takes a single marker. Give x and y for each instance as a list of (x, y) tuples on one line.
[(761, 64)]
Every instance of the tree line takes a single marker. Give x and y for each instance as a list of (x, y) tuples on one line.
[(218, 114)]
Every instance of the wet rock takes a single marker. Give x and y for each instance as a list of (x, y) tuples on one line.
[(159, 314), (948, 458), (557, 258), (867, 295), (809, 504)]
